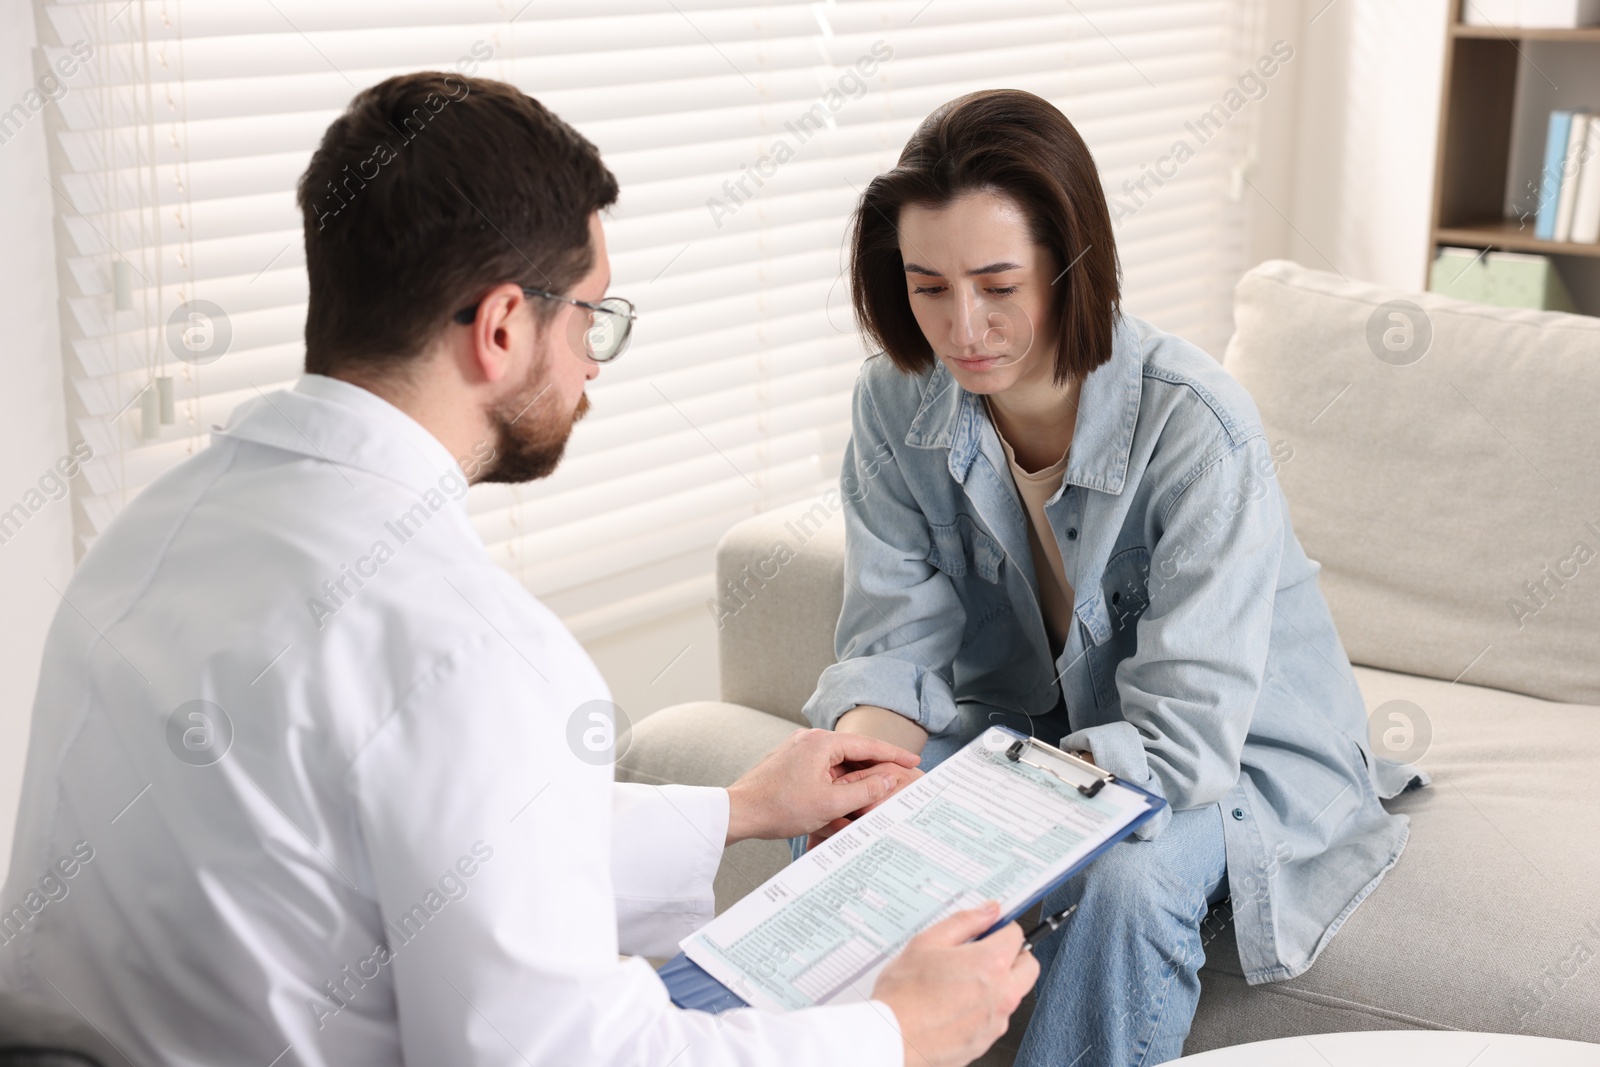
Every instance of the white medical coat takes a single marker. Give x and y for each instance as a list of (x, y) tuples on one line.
[(383, 847)]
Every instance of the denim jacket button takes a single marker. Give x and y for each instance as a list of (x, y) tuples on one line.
[(1238, 813), (1072, 534)]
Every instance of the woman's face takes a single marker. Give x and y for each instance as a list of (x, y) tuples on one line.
[(980, 289)]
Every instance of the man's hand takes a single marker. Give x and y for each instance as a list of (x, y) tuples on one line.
[(799, 786), (953, 996), (903, 776)]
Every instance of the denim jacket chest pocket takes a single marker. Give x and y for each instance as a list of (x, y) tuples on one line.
[(975, 563), (1112, 637), (959, 547)]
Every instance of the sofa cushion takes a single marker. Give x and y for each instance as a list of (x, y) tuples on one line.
[(1453, 500), (1491, 919)]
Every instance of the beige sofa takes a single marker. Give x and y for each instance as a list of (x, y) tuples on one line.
[(1446, 474)]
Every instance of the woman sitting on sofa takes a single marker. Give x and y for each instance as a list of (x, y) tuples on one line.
[(1063, 520)]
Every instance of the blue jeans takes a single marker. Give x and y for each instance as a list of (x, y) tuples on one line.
[(1118, 984)]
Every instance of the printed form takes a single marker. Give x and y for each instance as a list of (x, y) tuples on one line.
[(977, 827)]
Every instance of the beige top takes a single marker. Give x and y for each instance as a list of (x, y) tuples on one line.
[(1055, 597)]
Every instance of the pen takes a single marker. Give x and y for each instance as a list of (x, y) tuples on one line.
[(1050, 925)]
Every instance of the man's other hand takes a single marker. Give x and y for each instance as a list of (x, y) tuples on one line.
[(954, 996), (812, 779)]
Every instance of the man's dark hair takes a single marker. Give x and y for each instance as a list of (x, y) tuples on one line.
[(1020, 146), (428, 191)]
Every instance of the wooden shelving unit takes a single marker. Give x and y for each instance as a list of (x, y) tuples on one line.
[(1477, 109), (1589, 34), (1510, 234)]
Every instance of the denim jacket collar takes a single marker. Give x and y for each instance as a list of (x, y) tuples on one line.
[(1108, 410)]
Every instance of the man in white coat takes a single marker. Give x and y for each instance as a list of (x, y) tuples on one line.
[(306, 781)]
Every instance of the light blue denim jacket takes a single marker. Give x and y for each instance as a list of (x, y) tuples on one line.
[(1204, 665)]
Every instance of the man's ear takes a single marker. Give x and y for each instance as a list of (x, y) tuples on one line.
[(502, 328)]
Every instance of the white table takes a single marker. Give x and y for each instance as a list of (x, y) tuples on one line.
[(1403, 1048)]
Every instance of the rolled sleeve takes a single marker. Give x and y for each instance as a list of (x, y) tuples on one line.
[(1188, 692), (1118, 747), (666, 844), (917, 692), (901, 623)]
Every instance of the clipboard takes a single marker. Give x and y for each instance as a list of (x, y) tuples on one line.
[(691, 987)]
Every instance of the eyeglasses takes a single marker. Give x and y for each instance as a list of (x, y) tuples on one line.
[(606, 336)]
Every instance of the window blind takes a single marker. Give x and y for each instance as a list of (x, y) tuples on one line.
[(179, 140)]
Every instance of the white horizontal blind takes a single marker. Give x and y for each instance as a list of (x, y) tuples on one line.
[(180, 140)]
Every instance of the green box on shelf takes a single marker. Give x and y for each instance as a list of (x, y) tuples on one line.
[(1507, 279)]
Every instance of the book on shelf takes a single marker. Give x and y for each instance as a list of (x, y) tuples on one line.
[(1571, 172), (1571, 165), (1531, 14), (1555, 154), (1586, 202), (1507, 279)]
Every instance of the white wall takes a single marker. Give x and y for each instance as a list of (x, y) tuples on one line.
[(1366, 126), (33, 430), (670, 661)]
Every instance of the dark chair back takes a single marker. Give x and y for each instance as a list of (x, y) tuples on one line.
[(36, 1035)]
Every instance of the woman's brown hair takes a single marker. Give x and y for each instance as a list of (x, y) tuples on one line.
[(1020, 146)]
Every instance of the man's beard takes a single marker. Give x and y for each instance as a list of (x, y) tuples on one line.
[(529, 436)]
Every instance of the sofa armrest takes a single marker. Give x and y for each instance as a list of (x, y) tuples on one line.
[(708, 743), (780, 587)]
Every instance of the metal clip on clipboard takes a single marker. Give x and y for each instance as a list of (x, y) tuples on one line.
[(1101, 777)]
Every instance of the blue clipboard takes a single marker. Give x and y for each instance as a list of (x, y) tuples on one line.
[(691, 987)]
